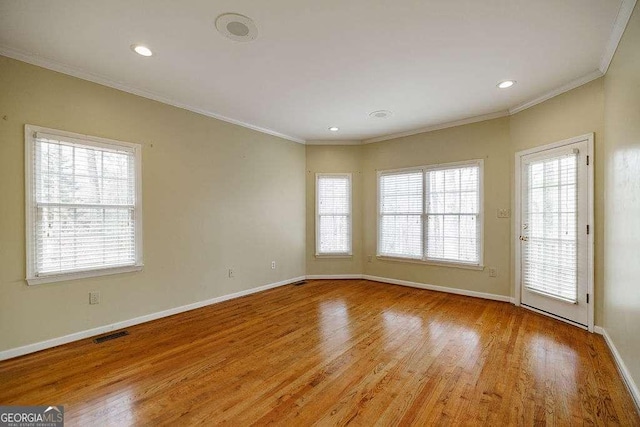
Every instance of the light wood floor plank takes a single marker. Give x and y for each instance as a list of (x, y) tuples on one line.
[(333, 353)]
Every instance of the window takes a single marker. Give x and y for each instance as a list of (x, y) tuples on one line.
[(84, 213), (432, 213), (333, 214)]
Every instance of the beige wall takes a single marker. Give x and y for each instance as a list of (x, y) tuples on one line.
[(215, 195), (574, 113), (622, 198), (577, 112), (334, 159), (199, 173), (488, 140)]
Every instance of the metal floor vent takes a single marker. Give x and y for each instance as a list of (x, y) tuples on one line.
[(302, 282), (109, 337)]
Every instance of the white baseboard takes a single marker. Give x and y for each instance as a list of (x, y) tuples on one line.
[(622, 368), (54, 342), (333, 276), (446, 289)]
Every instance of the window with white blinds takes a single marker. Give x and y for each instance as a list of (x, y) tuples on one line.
[(550, 258), (83, 206), (333, 214), (432, 213), (401, 207)]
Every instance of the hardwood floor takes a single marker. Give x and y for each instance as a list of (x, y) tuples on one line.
[(333, 352)]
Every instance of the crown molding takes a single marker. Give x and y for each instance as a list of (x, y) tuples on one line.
[(333, 142), (617, 31), (50, 64), (619, 25), (446, 125), (558, 91)]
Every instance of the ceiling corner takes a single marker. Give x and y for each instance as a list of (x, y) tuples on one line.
[(619, 25)]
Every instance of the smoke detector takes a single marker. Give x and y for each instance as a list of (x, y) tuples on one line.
[(236, 27), (381, 114)]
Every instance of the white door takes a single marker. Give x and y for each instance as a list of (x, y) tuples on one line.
[(554, 231)]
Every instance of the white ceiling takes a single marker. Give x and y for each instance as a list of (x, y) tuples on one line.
[(324, 63)]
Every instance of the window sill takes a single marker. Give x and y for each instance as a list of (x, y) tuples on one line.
[(334, 256), (434, 263), (82, 274)]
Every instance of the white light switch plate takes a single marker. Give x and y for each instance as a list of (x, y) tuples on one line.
[(504, 213)]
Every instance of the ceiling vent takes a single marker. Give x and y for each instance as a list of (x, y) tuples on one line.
[(237, 27), (381, 114)]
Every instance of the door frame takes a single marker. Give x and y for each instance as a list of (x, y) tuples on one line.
[(589, 138)]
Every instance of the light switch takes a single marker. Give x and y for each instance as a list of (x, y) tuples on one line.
[(504, 213)]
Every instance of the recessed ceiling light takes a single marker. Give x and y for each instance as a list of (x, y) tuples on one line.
[(381, 114), (236, 27), (141, 50), (334, 129), (505, 84)]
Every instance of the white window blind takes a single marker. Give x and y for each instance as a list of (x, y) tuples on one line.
[(83, 205), (432, 213), (333, 220), (453, 211), (550, 258), (401, 208)]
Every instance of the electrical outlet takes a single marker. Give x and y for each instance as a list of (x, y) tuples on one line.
[(231, 273), (493, 272), (370, 258), (94, 298), (504, 213), (273, 265)]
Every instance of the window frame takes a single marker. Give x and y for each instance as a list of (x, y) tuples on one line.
[(349, 253), (32, 277), (424, 215)]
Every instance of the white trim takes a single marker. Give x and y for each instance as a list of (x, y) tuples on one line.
[(85, 75), (334, 256), (51, 64), (349, 253), (30, 134), (446, 125), (624, 14), (622, 367), (446, 289), (589, 138), (54, 342), (480, 215), (553, 316), (333, 142), (456, 291), (462, 265), (617, 31), (82, 274), (333, 276), (557, 91)]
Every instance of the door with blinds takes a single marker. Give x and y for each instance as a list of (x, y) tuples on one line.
[(554, 231)]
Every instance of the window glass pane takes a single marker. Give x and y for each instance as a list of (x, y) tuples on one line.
[(334, 205), (452, 229), (401, 193), (549, 260), (84, 217), (452, 213), (333, 195), (334, 234), (401, 235), (401, 206)]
